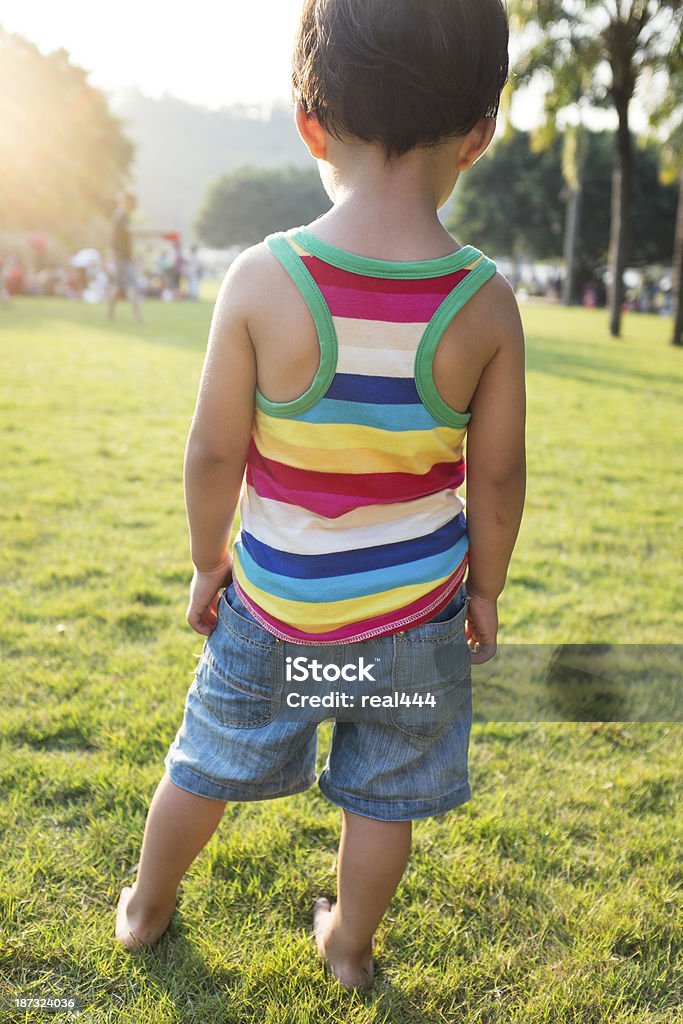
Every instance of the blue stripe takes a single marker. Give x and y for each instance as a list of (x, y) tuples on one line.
[(357, 387), (346, 563), (361, 584), (363, 414)]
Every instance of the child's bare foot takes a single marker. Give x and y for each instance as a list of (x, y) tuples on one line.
[(353, 972), (135, 930)]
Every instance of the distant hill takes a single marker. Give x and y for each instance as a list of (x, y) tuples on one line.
[(181, 149)]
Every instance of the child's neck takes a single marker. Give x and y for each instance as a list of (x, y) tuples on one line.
[(389, 210)]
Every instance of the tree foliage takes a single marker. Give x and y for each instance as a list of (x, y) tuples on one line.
[(63, 155), (243, 207), (509, 202), (512, 202), (597, 51)]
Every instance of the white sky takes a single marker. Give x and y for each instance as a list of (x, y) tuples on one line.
[(210, 52)]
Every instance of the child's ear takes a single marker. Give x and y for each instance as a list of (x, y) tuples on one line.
[(476, 142), (311, 131)]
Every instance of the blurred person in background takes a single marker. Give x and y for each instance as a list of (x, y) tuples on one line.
[(194, 271), (123, 281)]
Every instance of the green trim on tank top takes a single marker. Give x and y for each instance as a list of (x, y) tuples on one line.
[(324, 325), (327, 336), (424, 355), (367, 266)]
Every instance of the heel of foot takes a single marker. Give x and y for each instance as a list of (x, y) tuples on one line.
[(139, 937), (350, 975)]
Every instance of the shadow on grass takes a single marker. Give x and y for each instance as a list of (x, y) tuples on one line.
[(174, 324), (594, 371)]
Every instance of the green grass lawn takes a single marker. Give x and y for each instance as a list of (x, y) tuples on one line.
[(553, 896)]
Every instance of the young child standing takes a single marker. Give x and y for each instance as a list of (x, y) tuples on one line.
[(347, 362)]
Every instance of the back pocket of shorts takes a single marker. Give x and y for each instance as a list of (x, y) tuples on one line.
[(239, 683), (431, 679)]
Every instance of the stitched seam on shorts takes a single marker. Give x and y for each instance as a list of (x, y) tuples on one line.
[(228, 679), (248, 640), (409, 730), (454, 633), (243, 782), (370, 803), (225, 619)]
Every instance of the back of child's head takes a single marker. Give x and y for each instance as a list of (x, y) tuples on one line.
[(400, 72)]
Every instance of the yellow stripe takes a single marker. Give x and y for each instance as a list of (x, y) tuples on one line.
[(297, 248), (321, 617), (328, 437), (352, 460)]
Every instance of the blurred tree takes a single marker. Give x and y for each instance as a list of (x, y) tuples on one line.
[(667, 116), (63, 155), (510, 202), (575, 40), (243, 207), (574, 153)]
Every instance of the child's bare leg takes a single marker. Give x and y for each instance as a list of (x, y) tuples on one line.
[(372, 858), (179, 825)]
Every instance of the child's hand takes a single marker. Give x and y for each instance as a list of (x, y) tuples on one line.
[(201, 610), (481, 628)]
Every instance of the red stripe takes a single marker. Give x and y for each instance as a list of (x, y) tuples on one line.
[(377, 299), (333, 494), (382, 308), (326, 274), (424, 609)]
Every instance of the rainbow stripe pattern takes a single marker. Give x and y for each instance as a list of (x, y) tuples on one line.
[(351, 524)]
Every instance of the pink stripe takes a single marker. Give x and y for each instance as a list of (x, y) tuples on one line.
[(283, 483), (380, 625), (327, 274), (328, 505), (379, 306)]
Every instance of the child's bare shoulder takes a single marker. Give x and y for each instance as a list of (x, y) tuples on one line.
[(255, 272), (492, 315)]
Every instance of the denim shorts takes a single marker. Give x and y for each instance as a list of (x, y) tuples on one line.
[(406, 759)]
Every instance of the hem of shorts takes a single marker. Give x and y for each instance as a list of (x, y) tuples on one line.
[(203, 785), (399, 810), (368, 634)]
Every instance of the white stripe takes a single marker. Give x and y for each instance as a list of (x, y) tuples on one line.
[(300, 532), (377, 334), (382, 362)]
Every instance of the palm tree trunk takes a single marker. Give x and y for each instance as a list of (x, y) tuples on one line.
[(621, 194), (677, 283), (571, 232)]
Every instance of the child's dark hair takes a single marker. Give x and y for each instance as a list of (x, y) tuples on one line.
[(400, 72)]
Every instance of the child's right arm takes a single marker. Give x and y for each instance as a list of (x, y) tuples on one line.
[(496, 469), (218, 440)]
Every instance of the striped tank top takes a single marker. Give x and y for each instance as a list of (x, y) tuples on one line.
[(351, 524)]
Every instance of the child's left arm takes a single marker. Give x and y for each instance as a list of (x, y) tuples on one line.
[(218, 443)]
